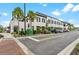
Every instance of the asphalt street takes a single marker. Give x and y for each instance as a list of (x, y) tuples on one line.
[(51, 46)]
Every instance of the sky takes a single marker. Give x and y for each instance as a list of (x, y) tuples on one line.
[(68, 12)]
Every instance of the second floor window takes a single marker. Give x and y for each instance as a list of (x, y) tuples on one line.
[(43, 20), (38, 19), (52, 21)]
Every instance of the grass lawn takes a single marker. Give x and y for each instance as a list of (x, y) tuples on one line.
[(76, 50)]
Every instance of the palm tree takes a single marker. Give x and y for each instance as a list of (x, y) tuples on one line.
[(31, 16), (70, 26), (18, 14), (47, 21)]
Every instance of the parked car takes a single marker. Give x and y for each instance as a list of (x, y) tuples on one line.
[(54, 31), (60, 31), (57, 31), (65, 30)]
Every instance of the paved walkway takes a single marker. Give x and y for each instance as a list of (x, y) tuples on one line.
[(7, 36), (10, 47)]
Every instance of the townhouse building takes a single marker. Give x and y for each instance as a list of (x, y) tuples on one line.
[(40, 21)]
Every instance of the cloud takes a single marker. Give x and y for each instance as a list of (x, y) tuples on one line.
[(76, 8), (61, 19), (4, 14), (76, 25), (71, 21), (56, 13), (68, 7), (44, 5)]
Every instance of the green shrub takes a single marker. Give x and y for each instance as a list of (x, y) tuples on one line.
[(15, 34), (49, 28), (34, 32), (22, 32), (47, 32), (58, 28), (29, 32), (38, 30), (1, 36), (1, 31)]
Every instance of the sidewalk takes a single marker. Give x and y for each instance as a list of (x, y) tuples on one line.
[(16, 47), (10, 47), (7, 36)]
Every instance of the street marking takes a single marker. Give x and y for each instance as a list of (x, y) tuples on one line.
[(34, 39)]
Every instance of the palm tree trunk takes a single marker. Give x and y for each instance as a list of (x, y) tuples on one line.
[(30, 25), (24, 25), (18, 27)]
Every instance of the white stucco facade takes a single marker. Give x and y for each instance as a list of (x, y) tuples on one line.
[(39, 21)]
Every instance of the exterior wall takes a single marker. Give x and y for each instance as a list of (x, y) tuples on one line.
[(13, 23), (53, 24), (66, 27), (21, 25), (36, 23)]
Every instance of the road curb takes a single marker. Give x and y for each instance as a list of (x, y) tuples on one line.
[(69, 48), (23, 47)]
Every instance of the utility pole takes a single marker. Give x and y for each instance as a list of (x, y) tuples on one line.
[(24, 16)]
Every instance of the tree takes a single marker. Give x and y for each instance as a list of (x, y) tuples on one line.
[(70, 27), (18, 14), (47, 22), (1, 28), (31, 17)]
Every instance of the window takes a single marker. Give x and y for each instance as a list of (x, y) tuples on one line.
[(38, 19), (28, 25), (52, 21), (58, 23), (43, 20), (16, 28)]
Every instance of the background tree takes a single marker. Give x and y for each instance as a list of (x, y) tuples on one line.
[(1, 29), (18, 14), (31, 17)]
